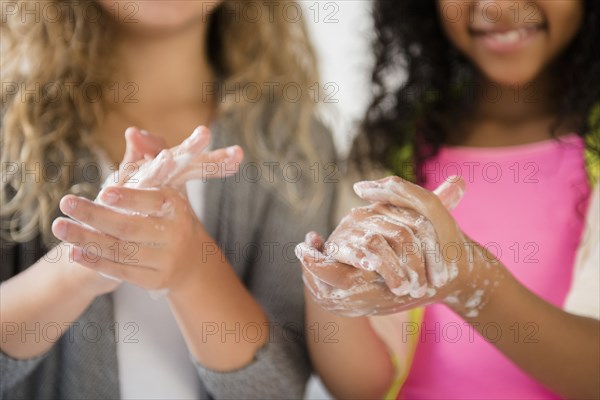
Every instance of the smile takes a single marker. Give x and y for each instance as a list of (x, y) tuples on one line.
[(507, 40)]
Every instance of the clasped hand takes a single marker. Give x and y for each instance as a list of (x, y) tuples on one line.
[(402, 251), (141, 228)]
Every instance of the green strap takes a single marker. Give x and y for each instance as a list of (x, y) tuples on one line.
[(592, 151)]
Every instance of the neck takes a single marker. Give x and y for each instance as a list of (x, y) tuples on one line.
[(513, 103), (510, 115), (169, 71)]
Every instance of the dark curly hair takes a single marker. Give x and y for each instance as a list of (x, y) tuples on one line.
[(406, 120)]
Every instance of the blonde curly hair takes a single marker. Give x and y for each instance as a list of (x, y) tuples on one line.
[(51, 52)]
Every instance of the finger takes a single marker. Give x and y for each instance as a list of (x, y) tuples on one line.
[(197, 142), (133, 151), (151, 201), (313, 239), (214, 164), (330, 298), (425, 247), (396, 191), (318, 289), (406, 245), (154, 173), (373, 253), (139, 143), (355, 305), (127, 227), (332, 273), (136, 274), (371, 298), (389, 247), (168, 162), (104, 246), (438, 274), (406, 216), (451, 191)]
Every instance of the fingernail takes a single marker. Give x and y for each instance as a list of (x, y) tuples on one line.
[(144, 132), (70, 205), (453, 179), (310, 238), (110, 196), (60, 230), (231, 150), (129, 131), (360, 187)]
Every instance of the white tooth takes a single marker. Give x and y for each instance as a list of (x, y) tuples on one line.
[(507, 37), (523, 33)]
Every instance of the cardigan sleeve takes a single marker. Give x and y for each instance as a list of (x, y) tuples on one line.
[(13, 371), (280, 369), (15, 258)]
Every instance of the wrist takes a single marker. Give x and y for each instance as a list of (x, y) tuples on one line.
[(80, 279), (482, 276), (187, 284), (207, 267)]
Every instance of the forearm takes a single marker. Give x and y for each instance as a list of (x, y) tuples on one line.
[(558, 349), (43, 294), (211, 303), (353, 363)]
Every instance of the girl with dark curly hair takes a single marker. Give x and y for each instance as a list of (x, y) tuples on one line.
[(504, 95)]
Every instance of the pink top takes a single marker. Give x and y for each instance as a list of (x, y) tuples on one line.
[(527, 204)]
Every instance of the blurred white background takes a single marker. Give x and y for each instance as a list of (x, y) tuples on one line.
[(341, 32)]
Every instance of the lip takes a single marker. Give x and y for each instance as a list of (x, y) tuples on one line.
[(508, 39)]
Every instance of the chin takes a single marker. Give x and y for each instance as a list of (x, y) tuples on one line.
[(510, 75), (158, 15), (169, 14)]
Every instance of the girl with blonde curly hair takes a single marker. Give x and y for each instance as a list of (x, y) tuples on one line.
[(76, 319)]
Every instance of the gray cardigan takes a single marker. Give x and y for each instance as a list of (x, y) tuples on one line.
[(241, 215)]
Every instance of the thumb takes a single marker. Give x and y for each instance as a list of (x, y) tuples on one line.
[(139, 143), (451, 191), (313, 239)]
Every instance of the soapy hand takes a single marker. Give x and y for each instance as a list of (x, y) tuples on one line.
[(139, 146), (143, 229), (174, 167), (402, 251)]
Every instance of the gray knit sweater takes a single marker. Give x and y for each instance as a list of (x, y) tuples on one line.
[(241, 214)]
